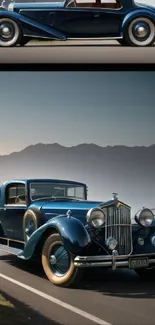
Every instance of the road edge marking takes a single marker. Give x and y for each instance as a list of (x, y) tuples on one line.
[(57, 301)]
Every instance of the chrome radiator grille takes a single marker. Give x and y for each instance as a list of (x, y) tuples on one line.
[(118, 226)]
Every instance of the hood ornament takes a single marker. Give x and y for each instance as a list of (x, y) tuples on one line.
[(114, 196), (68, 214)]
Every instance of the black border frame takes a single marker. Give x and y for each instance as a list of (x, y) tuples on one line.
[(77, 67)]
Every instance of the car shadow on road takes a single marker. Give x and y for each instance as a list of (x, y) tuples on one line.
[(119, 283), (74, 45), (79, 45), (20, 313), (30, 266), (122, 283)]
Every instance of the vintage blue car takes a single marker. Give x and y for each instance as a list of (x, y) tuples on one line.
[(53, 220), (128, 22)]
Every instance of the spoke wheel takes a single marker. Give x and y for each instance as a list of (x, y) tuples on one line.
[(10, 33), (140, 32), (58, 263)]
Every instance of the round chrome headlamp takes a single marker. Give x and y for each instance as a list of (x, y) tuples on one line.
[(144, 217), (96, 217)]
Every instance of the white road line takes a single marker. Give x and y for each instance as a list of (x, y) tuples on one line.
[(57, 301)]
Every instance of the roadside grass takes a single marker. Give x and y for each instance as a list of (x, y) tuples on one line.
[(15, 312), (10, 315)]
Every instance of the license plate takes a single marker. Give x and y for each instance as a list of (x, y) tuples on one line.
[(135, 263)]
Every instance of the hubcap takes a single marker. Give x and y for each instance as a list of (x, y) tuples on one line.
[(141, 30), (53, 259), (30, 228), (6, 31), (59, 260)]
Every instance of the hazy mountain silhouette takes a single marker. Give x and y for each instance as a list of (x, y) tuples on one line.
[(130, 171)]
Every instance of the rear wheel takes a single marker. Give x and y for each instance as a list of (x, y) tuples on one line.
[(58, 263), (140, 32), (30, 224), (10, 33)]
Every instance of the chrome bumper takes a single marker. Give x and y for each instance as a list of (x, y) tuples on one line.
[(112, 261)]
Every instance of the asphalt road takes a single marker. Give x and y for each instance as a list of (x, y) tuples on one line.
[(107, 297), (77, 52)]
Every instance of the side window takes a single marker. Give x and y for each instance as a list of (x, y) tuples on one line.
[(106, 4), (15, 194)]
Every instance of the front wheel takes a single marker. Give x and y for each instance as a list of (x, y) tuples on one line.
[(10, 33), (140, 32), (58, 263)]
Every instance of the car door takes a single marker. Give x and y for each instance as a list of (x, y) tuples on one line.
[(13, 211), (81, 22)]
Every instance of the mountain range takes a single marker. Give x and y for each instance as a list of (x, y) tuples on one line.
[(129, 171)]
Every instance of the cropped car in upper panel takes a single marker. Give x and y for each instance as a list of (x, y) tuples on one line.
[(130, 23), (52, 220)]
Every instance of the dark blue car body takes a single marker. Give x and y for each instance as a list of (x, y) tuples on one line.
[(67, 216), (73, 20)]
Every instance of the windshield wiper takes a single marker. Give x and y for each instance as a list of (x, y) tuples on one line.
[(53, 198)]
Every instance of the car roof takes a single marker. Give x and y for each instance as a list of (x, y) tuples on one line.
[(41, 180)]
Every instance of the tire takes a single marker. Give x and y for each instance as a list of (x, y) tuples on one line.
[(30, 224), (140, 32), (61, 272), (10, 32), (123, 42)]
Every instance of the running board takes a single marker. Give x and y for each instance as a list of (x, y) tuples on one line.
[(11, 250)]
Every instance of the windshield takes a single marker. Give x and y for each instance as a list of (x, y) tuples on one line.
[(56, 190)]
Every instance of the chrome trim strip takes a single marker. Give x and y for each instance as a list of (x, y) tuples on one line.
[(12, 240), (95, 38)]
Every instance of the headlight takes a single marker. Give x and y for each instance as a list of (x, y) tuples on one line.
[(144, 217), (11, 7), (96, 217)]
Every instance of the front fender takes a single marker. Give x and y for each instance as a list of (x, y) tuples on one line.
[(73, 233), (135, 14), (32, 27)]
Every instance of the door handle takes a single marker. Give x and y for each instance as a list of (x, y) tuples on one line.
[(96, 15)]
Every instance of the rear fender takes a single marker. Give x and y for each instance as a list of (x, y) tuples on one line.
[(31, 27), (73, 233), (136, 14)]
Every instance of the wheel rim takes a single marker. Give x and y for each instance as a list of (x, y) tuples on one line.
[(142, 31), (29, 228), (59, 260), (9, 32)]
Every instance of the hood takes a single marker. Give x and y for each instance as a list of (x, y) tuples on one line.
[(78, 209), (63, 206)]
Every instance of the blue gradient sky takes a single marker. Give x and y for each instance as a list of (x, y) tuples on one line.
[(106, 108)]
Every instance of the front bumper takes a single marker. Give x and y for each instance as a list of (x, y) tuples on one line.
[(111, 261)]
